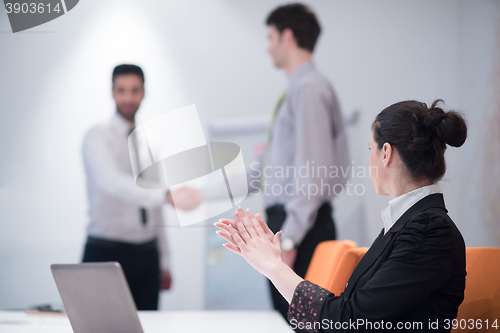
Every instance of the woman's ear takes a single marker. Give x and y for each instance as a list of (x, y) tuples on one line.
[(386, 154)]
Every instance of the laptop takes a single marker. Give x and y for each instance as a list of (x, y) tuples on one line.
[(96, 297)]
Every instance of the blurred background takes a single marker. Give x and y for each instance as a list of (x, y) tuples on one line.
[(55, 83)]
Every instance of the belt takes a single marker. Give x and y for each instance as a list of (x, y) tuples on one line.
[(115, 245)]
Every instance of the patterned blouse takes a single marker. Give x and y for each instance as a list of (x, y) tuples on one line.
[(306, 304)]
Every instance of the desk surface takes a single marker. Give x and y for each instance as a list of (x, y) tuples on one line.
[(159, 321)]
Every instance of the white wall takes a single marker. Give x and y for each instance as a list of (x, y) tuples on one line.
[(478, 184), (55, 84)]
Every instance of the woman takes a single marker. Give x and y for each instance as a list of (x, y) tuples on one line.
[(413, 275)]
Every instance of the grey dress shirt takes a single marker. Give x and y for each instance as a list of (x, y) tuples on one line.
[(307, 153)]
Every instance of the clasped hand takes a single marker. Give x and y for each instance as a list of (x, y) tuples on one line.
[(249, 236), (186, 198)]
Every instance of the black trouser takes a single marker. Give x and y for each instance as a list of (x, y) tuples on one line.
[(322, 230), (140, 264)]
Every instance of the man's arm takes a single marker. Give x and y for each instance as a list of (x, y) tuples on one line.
[(101, 166), (166, 278), (163, 249)]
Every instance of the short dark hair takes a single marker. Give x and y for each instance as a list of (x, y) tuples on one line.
[(420, 135), (127, 69), (298, 18)]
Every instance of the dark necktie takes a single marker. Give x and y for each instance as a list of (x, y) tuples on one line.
[(144, 215)]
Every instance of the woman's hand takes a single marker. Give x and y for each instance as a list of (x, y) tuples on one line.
[(251, 237), (225, 223)]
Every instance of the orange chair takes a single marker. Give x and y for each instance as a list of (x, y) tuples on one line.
[(325, 260), (482, 290), (346, 266)]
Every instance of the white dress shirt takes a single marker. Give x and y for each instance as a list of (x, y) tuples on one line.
[(115, 201), (398, 206)]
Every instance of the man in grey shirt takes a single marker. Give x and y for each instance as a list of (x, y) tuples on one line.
[(306, 157)]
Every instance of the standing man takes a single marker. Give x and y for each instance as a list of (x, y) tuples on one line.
[(126, 220), (306, 140)]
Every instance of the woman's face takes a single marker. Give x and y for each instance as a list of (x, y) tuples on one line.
[(378, 171)]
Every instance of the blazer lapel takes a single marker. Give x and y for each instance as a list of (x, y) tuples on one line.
[(382, 241)]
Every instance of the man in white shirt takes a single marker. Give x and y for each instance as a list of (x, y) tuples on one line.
[(125, 219)]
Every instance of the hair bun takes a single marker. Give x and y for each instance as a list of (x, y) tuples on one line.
[(450, 126), (433, 127), (420, 134)]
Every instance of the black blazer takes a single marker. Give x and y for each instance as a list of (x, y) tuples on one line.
[(414, 273)]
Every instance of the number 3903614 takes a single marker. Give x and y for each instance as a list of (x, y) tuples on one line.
[(32, 8)]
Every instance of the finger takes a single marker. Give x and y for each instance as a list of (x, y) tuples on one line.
[(232, 247), (256, 225), (263, 224), (241, 228), (237, 239), (227, 236), (277, 238), (222, 226), (228, 221), (246, 222)]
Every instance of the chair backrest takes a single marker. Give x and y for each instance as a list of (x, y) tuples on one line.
[(325, 260), (346, 266), (482, 289)]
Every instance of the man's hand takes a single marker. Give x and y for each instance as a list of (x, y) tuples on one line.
[(186, 198), (166, 280), (289, 257)]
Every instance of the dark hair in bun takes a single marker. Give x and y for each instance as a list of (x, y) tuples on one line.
[(420, 135)]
